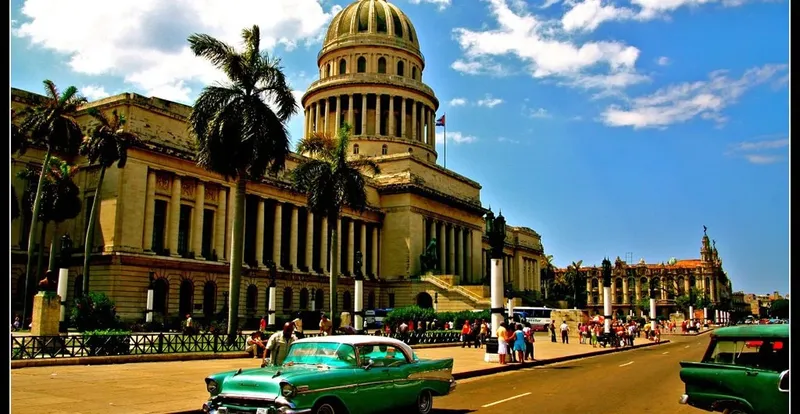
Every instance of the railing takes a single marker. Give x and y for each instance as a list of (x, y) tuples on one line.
[(451, 288), (72, 346)]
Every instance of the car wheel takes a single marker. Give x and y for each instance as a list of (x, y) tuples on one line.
[(733, 411), (327, 408), (424, 402)]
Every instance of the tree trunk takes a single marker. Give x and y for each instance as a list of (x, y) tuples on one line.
[(333, 272), (237, 254), (53, 263), (89, 241), (40, 253), (37, 201)]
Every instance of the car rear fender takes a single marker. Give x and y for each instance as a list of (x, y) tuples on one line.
[(731, 402)]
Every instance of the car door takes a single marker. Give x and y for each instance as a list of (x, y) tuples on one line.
[(762, 371), (400, 369), (374, 391)]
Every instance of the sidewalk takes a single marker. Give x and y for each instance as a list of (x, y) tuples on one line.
[(177, 386)]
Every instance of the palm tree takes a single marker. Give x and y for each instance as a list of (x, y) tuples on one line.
[(238, 134), (549, 273), (107, 144), (573, 278), (330, 182), (49, 123), (18, 143)]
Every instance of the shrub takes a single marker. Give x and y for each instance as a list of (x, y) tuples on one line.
[(106, 342), (94, 311)]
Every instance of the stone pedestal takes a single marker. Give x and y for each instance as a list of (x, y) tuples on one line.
[(46, 314)]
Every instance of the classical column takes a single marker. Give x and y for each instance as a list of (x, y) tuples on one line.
[(338, 120), (625, 291), (414, 126), (442, 240), (470, 270), (174, 215), (149, 211), (325, 114), (363, 246), (375, 250), (219, 228), (589, 291), (363, 114), (316, 116), (260, 232), (391, 131), (403, 118), (686, 287), (431, 128), (614, 290), (457, 250), (323, 245), (351, 115), (451, 249), (309, 241), (293, 238), (462, 239), (276, 234), (351, 249), (378, 114), (197, 219)]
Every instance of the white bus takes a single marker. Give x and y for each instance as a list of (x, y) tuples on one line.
[(538, 317)]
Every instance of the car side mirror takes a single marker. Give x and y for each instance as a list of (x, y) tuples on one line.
[(783, 384), (368, 363)]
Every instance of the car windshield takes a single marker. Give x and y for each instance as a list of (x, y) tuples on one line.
[(768, 354), (333, 354)]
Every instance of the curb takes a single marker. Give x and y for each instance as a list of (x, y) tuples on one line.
[(518, 366)]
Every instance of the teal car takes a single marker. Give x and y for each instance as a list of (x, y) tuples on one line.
[(335, 374), (745, 370)]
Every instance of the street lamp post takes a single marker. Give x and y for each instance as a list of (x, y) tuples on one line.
[(148, 316), (496, 231), (63, 280), (358, 311), (607, 312), (652, 306), (273, 273)]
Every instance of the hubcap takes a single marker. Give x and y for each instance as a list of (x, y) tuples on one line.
[(424, 402), (325, 409)]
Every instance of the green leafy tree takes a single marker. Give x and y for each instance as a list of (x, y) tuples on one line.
[(239, 135), (18, 146), (107, 143), (779, 308), (547, 274), (50, 123), (331, 181), (575, 279)]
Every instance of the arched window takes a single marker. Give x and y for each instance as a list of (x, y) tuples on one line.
[(209, 298), (287, 298), (371, 300), (330, 70), (303, 298), (319, 299), (347, 302), (342, 67), (355, 148), (595, 285), (381, 65), (384, 149), (413, 72), (186, 298), (77, 291), (160, 295), (410, 150), (361, 64), (400, 68), (251, 300)]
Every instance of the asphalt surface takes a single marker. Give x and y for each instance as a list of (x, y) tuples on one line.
[(638, 381)]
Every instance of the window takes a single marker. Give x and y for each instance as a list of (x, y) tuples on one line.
[(382, 65), (342, 67), (208, 232), (287, 298), (303, 298), (382, 355), (400, 68), (355, 148), (413, 72), (391, 300), (767, 354), (209, 299), (410, 150), (361, 64), (384, 149), (159, 225), (347, 303), (184, 223), (252, 299)]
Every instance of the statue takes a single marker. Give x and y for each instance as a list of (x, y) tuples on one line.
[(49, 283), (429, 259), (705, 229), (714, 244), (357, 264)]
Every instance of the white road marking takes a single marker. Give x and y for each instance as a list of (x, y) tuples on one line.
[(505, 400), (626, 364), (664, 353)]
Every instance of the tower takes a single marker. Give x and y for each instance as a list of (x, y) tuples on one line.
[(370, 76)]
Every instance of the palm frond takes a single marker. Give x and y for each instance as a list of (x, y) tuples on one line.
[(220, 54), (272, 85), (51, 90), (365, 164), (318, 144)]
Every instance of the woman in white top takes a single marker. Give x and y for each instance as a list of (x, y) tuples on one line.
[(502, 343)]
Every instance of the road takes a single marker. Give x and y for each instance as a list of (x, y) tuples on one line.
[(638, 381)]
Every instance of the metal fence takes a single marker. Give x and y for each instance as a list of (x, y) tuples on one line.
[(71, 346)]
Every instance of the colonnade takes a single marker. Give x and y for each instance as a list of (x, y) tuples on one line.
[(621, 288), (328, 113), (455, 245)]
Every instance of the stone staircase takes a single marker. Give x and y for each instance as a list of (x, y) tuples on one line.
[(476, 296)]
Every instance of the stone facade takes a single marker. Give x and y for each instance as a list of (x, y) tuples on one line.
[(165, 218)]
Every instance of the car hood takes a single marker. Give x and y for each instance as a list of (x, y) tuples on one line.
[(266, 380)]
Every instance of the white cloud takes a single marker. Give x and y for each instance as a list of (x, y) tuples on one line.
[(539, 113), (763, 159), (489, 102), (144, 41), (682, 102), (458, 102), (508, 140), (663, 61), (442, 4), (479, 67), (538, 44), (548, 3), (94, 92), (455, 137), (761, 150)]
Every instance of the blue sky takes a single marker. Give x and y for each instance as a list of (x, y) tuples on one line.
[(609, 127)]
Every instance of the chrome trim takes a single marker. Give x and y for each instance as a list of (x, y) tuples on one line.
[(684, 399), (412, 377), (780, 380)]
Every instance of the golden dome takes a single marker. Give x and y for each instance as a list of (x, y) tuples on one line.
[(375, 19)]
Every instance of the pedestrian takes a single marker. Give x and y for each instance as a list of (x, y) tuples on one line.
[(325, 326), (519, 343), (465, 329), (278, 346), (262, 326), (188, 326), (255, 344), (595, 332), (502, 343), (298, 326), (529, 341), (564, 332), (484, 332), (553, 331)]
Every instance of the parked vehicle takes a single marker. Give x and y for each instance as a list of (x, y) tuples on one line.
[(745, 370), (335, 374), (538, 317)]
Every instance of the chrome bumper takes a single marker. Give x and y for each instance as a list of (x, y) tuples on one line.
[(281, 410), (684, 399), (452, 385)]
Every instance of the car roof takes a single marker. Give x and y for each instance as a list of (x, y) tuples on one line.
[(356, 340), (746, 331)]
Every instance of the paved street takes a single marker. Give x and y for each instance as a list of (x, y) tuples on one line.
[(638, 381)]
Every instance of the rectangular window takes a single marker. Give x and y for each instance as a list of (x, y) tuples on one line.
[(208, 232), (184, 224), (159, 225)]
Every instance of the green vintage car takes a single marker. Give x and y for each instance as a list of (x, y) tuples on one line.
[(745, 370), (335, 374)]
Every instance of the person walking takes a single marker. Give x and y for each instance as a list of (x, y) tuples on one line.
[(262, 326), (553, 331), (298, 326), (529, 340), (564, 332), (484, 332), (465, 329), (502, 342), (519, 343)]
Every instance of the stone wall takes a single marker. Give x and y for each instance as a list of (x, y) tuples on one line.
[(571, 316)]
